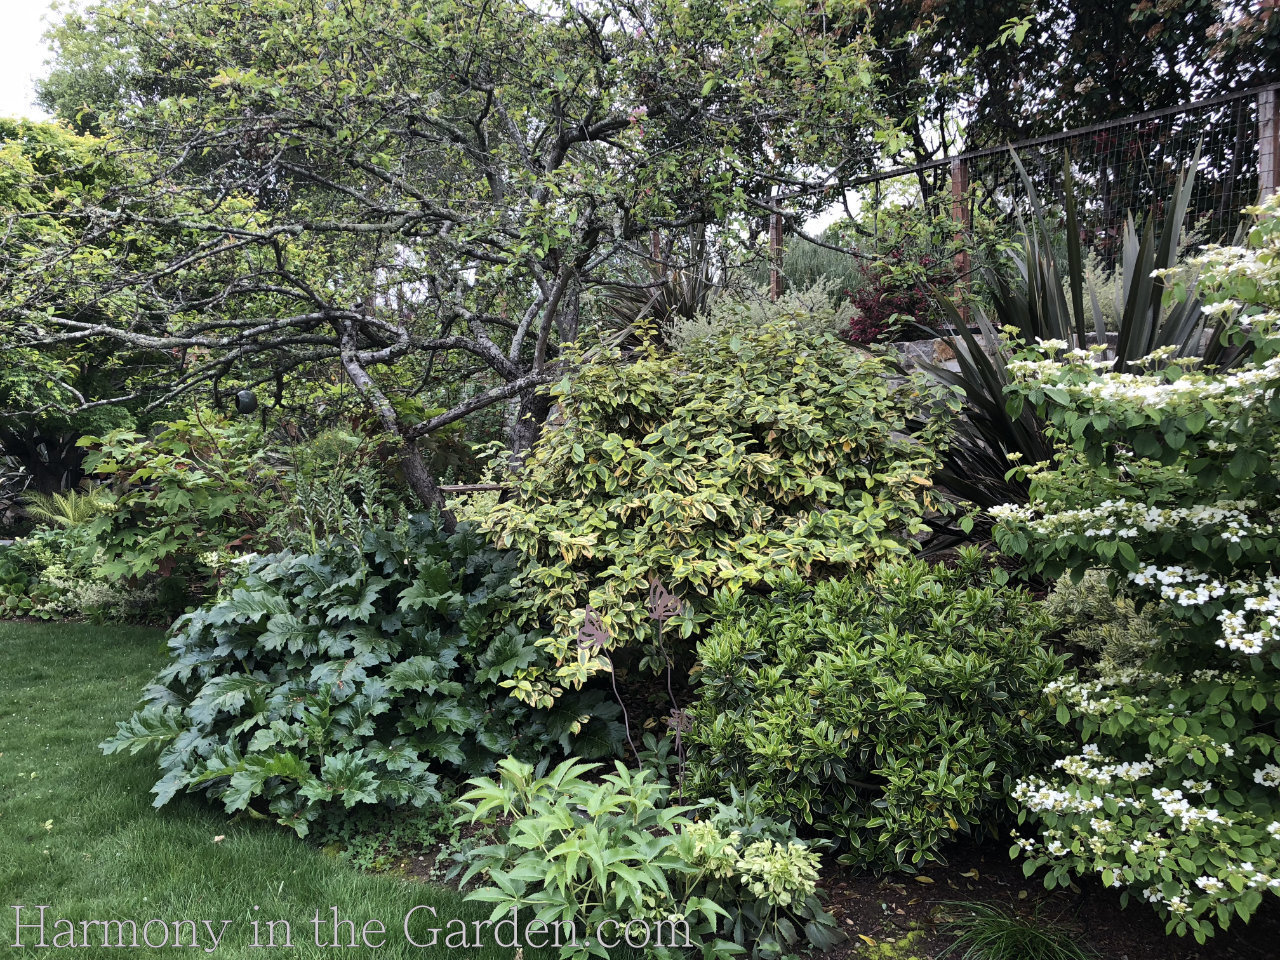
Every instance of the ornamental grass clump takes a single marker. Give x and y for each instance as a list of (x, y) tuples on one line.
[(1167, 476), (766, 446)]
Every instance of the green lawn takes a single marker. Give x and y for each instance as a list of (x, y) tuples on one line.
[(78, 832)]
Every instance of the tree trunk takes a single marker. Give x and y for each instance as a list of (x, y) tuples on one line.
[(416, 472), (53, 463), (424, 485), (529, 411), (528, 416), (567, 316)]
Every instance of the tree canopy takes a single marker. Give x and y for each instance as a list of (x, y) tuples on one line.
[(50, 395), (988, 72), (400, 190)]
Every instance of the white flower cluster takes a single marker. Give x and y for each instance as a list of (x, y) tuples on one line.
[(1179, 585), (1268, 776), (1214, 310), (1257, 265), (1048, 345), (1226, 519), (1091, 765), (1174, 805), (1152, 392), (1040, 796), (1243, 631), (1256, 878), (1261, 599), (1084, 696), (1211, 885), (1176, 904), (1248, 873)]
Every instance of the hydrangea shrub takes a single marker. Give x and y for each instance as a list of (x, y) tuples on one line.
[(1168, 478)]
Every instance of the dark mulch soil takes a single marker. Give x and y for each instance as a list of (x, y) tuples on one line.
[(906, 917)]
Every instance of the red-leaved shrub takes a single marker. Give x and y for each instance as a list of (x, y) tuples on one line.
[(897, 286)]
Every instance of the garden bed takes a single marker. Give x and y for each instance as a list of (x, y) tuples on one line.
[(901, 917), (906, 916)]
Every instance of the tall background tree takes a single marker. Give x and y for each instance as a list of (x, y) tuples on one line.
[(52, 396), (956, 75), (419, 194)]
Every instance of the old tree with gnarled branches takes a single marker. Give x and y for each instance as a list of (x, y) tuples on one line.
[(419, 192)]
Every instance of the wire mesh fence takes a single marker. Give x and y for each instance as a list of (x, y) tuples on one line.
[(1120, 168)]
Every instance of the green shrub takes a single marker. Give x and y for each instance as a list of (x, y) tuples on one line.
[(55, 574), (1167, 477), (763, 447), (808, 308), (584, 849), (16, 579), (890, 712), (333, 485), (354, 675), (806, 264), (201, 488)]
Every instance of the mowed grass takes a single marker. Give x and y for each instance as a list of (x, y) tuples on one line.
[(78, 832)]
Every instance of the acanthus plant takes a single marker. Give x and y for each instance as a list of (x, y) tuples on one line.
[(358, 674)]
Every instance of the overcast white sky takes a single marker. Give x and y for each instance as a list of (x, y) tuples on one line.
[(22, 55)]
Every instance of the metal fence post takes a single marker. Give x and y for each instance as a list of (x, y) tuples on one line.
[(960, 215), (775, 256), (1268, 142)]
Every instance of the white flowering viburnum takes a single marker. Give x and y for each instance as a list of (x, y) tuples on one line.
[(1168, 477)]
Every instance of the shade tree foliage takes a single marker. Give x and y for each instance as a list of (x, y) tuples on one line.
[(986, 72), (51, 396), (409, 194)]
